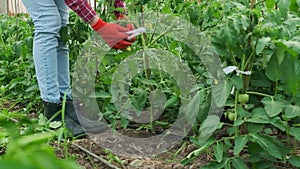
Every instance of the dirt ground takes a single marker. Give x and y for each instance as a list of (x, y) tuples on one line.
[(91, 156)]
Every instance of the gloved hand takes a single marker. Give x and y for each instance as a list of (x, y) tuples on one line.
[(112, 34), (129, 26), (123, 15)]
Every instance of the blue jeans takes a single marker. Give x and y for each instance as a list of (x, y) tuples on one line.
[(51, 55)]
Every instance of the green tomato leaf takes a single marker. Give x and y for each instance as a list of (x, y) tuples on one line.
[(220, 93), (239, 163), (55, 124), (42, 120), (241, 114), (192, 108), (295, 161), (294, 45), (245, 22), (293, 84), (141, 98), (284, 6), (280, 52), (255, 128), (292, 111), (270, 4), (171, 102), (261, 43), (209, 125), (148, 81), (279, 123), (12, 164), (229, 34), (124, 122), (194, 154), (35, 138), (157, 100), (267, 144), (273, 108), (218, 151), (237, 81), (294, 6), (240, 143), (274, 70), (291, 46), (295, 131)]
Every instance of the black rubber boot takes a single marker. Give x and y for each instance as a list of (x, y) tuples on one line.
[(51, 109), (74, 127), (75, 110)]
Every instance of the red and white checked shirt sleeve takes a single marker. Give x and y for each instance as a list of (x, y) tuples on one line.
[(82, 8)]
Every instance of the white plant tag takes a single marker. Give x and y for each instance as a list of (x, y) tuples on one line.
[(135, 32), (231, 69)]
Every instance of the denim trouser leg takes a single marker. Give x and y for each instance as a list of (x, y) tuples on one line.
[(50, 54), (63, 54)]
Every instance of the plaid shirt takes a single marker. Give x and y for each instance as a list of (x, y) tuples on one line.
[(83, 9)]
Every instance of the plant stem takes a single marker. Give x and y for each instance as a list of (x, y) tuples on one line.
[(165, 40), (147, 72), (64, 123), (249, 59), (243, 65), (107, 163), (276, 87), (2, 41), (231, 54), (155, 27), (257, 3), (259, 94), (236, 128), (252, 4), (159, 36)]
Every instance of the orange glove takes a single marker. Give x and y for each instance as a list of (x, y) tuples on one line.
[(123, 15), (112, 34)]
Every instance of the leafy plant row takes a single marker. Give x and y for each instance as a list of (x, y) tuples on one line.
[(261, 37)]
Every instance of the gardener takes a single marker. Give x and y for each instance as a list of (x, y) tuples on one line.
[(51, 54)]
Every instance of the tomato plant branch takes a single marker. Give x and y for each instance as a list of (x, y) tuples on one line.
[(243, 65), (155, 27), (259, 2), (159, 36), (252, 4), (276, 87), (181, 148), (232, 57), (249, 59), (236, 128), (147, 71), (259, 94), (165, 40), (2, 43), (107, 163)]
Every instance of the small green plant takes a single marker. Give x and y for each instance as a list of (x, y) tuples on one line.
[(25, 148)]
